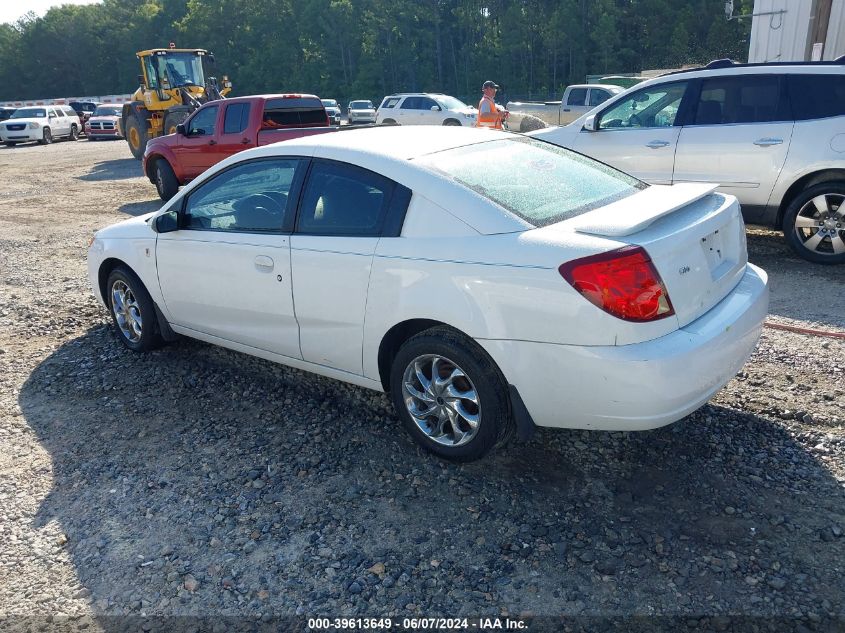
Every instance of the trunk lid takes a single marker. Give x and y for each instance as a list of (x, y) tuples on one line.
[(695, 238)]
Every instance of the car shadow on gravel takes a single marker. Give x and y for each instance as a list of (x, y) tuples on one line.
[(195, 480), (140, 208), (117, 169)]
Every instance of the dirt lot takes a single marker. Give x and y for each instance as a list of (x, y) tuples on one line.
[(198, 481)]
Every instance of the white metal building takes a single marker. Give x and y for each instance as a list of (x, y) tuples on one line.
[(797, 30)]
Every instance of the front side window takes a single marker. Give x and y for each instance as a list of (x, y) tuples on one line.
[(152, 78), (656, 106), (236, 118), (341, 199), (411, 103), (740, 99), (249, 198), (538, 182), (598, 96), (450, 103), (204, 122), (577, 97), (427, 104)]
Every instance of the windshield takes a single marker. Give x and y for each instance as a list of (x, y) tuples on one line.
[(450, 103), (361, 105), (108, 111), (180, 69), (536, 181), (29, 113), (329, 103)]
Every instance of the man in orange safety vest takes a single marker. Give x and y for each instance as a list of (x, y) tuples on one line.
[(490, 115)]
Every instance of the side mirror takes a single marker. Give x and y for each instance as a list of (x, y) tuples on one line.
[(435, 108), (180, 129), (166, 223), (590, 123)]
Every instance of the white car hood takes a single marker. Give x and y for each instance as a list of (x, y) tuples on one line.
[(27, 120), (131, 228)]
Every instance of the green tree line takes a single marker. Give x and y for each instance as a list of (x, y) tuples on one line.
[(367, 48)]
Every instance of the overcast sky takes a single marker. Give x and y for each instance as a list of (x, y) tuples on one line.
[(11, 10)]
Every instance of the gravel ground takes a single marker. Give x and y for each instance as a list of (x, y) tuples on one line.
[(199, 481)]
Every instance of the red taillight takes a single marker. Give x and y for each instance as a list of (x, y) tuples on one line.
[(623, 282)]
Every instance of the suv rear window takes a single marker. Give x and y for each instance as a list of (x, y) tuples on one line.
[(816, 96), (295, 111), (536, 181)]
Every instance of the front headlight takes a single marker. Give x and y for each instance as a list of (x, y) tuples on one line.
[(33, 126), (469, 115)]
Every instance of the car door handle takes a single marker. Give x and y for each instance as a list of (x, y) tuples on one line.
[(657, 144), (566, 110), (244, 141), (262, 262), (766, 142), (212, 142)]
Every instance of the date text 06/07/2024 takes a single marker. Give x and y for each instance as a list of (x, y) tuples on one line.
[(436, 624)]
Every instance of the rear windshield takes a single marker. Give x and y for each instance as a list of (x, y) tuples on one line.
[(29, 113), (536, 181), (294, 112)]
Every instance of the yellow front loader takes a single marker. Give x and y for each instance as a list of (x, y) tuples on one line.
[(173, 84)]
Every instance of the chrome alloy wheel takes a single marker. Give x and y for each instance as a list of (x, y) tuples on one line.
[(441, 400), (820, 224), (126, 310)]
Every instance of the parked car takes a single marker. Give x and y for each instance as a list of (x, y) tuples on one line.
[(577, 100), (771, 134), (219, 129), (425, 109), (84, 109), (333, 110), (41, 124), (104, 122), (361, 112), (545, 288), (5, 113)]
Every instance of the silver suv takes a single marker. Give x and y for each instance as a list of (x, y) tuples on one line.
[(425, 108), (771, 134)]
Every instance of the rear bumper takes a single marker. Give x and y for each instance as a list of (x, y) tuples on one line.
[(641, 386)]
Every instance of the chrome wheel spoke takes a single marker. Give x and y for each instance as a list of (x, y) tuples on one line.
[(813, 242), (803, 222), (820, 202), (127, 312), (838, 244)]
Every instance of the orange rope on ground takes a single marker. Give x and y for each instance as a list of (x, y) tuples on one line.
[(802, 330)]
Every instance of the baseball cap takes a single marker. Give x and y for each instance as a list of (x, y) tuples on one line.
[(489, 84)]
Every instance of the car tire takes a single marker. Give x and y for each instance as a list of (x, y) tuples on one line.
[(166, 182), (10, 143), (452, 122), (74, 133), (464, 368), (814, 223), (46, 137), (174, 117), (389, 122), (132, 311)]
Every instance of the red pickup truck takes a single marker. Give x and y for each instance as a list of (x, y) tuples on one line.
[(219, 129)]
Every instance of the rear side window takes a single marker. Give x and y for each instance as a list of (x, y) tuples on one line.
[(236, 118), (816, 96), (577, 96), (341, 199), (389, 102), (741, 99), (536, 181), (293, 112)]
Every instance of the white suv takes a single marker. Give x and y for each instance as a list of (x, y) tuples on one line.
[(425, 108), (40, 123), (771, 134)]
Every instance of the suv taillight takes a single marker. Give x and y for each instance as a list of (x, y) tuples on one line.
[(623, 282)]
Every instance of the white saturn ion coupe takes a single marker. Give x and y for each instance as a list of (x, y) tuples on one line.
[(488, 282)]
